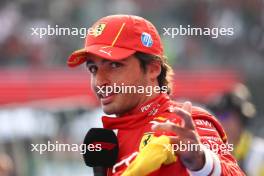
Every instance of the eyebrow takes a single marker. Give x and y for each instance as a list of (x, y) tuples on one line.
[(89, 61)]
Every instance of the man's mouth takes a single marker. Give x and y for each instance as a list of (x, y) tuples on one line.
[(106, 98)]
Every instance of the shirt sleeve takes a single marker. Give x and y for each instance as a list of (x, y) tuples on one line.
[(224, 163), (151, 157)]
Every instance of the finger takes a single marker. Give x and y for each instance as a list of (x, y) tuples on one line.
[(188, 144), (174, 142), (186, 117), (187, 106), (169, 127), (177, 142)]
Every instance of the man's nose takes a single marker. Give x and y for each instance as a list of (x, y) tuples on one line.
[(101, 78)]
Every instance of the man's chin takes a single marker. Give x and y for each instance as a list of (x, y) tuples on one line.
[(113, 109), (109, 109)]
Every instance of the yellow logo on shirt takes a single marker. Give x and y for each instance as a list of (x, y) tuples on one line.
[(147, 137), (160, 118)]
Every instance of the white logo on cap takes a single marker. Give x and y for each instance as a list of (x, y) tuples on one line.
[(146, 39), (105, 52)]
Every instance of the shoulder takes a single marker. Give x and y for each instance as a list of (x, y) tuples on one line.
[(204, 120)]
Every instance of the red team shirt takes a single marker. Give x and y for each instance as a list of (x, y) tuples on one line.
[(134, 130)]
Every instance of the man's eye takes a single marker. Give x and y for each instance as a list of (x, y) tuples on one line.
[(92, 69), (115, 64)]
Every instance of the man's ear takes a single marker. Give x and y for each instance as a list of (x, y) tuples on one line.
[(154, 69)]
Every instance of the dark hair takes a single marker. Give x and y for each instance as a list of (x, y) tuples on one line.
[(237, 100), (164, 79)]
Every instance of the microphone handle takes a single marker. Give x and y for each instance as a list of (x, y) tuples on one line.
[(100, 171)]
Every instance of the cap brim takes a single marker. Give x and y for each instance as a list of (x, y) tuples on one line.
[(107, 52)]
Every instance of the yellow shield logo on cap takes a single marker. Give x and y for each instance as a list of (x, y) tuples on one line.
[(98, 29)]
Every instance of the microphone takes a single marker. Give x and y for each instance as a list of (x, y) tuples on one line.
[(101, 148)]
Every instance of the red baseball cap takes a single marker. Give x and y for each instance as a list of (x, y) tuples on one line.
[(116, 37)]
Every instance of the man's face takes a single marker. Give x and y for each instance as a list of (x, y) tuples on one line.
[(124, 72)]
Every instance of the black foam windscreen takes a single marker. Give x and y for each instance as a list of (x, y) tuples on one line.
[(101, 148)]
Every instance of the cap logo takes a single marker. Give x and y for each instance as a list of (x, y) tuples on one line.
[(98, 29), (109, 53), (146, 39)]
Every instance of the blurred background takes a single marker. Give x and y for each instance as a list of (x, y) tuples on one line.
[(41, 99)]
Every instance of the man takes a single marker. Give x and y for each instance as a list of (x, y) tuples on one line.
[(235, 111), (125, 50)]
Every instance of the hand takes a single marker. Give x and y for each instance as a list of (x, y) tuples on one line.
[(186, 135)]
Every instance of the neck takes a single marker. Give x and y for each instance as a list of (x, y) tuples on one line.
[(147, 98), (143, 100)]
